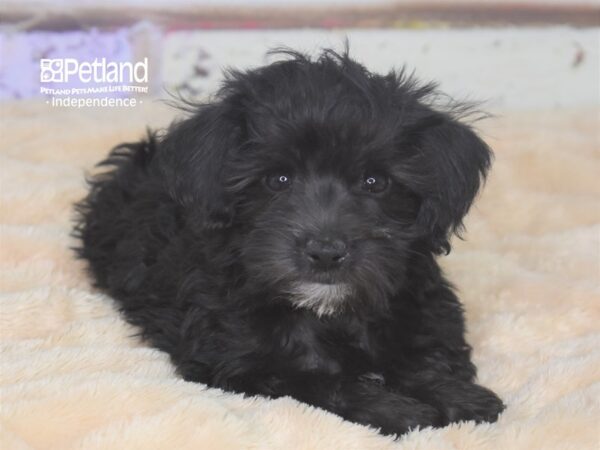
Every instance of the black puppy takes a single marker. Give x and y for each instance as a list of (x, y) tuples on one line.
[(282, 241)]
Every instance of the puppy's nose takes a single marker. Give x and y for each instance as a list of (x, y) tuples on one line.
[(326, 253)]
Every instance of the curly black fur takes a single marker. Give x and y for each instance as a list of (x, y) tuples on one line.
[(282, 241)]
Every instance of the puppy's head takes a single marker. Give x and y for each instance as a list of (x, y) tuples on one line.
[(325, 178)]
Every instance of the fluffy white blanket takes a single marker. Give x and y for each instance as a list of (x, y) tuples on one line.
[(73, 377)]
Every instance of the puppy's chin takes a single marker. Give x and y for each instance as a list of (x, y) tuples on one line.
[(323, 299)]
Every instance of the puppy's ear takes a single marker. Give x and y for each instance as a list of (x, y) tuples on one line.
[(458, 161), (192, 164)]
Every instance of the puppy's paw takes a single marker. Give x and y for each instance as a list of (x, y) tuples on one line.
[(418, 416), (371, 403), (475, 403)]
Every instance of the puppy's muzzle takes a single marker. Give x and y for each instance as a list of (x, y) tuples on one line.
[(326, 253)]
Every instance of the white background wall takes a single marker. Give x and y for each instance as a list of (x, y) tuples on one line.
[(508, 68)]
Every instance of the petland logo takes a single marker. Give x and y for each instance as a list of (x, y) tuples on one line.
[(63, 70), (66, 82)]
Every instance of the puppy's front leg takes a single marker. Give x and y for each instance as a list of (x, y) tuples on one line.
[(456, 399), (357, 400), (365, 402), (370, 403)]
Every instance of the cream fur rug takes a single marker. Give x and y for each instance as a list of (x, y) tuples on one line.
[(72, 377)]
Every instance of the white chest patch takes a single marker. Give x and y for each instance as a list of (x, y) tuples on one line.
[(323, 299)]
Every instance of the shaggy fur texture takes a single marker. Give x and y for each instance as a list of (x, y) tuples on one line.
[(281, 242)]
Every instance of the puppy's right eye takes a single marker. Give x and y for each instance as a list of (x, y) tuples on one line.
[(278, 182), (375, 183)]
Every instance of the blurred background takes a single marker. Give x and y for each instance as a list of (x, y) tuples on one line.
[(511, 54)]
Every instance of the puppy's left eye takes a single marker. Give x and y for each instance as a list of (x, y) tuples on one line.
[(375, 182), (278, 182)]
